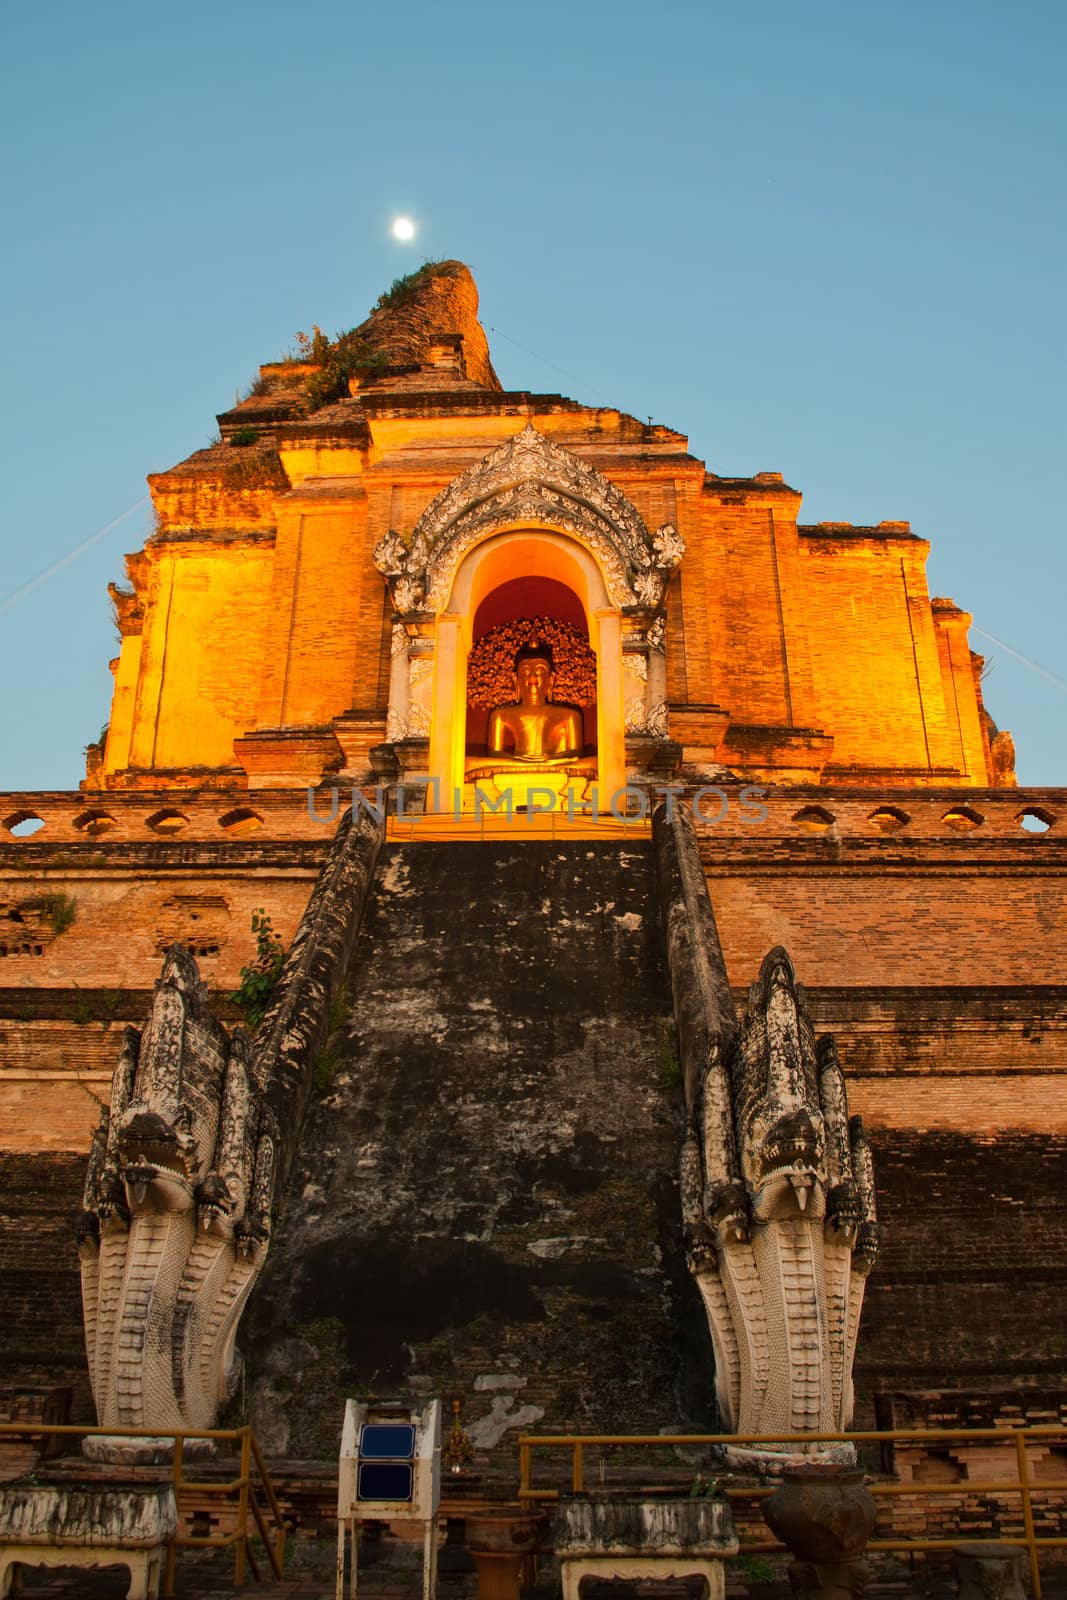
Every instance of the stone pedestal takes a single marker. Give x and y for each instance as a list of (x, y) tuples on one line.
[(120, 1450), (44, 1526), (635, 1538), (988, 1570)]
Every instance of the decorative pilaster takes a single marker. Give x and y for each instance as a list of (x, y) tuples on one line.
[(396, 721)]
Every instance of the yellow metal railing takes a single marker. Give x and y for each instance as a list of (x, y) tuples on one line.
[(268, 1519), (551, 825), (1022, 1484)]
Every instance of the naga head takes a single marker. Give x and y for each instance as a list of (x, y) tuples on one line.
[(165, 1126), (219, 1208), (157, 1157), (780, 1125), (785, 1165)]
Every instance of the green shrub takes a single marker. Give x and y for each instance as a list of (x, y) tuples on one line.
[(403, 290), (259, 978), (756, 1569), (348, 356), (705, 1488), (325, 1070), (59, 910), (329, 1058)]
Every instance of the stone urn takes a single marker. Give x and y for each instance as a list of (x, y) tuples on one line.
[(498, 1542), (824, 1515)]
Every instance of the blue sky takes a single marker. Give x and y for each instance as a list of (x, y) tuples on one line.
[(825, 239)]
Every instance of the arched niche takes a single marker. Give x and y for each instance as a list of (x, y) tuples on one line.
[(509, 605), (534, 553)]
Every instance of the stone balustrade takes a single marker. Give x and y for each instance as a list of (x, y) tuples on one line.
[(721, 810)]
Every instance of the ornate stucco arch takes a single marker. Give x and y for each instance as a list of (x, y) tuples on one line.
[(527, 492), (529, 481)]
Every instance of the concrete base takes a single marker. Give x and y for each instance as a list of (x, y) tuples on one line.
[(118, 1450), (145, 1566), (769, 1463), (633, 1568)]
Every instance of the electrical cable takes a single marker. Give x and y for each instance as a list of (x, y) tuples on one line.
[(71, 555), (1035, 666), (527, 351)]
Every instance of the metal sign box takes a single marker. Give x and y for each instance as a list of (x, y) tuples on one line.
[(390, 1466)]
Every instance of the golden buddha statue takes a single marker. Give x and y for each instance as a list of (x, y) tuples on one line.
[(532, 730)]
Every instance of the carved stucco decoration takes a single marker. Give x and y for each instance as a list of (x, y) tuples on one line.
[(656, 636), (669, 547), (652, 721), (529, 479), (176, 1217), (399, 640), (658, 721), (778, 1201), (391, 554), (409, 594), (544, 507), (634, 721)]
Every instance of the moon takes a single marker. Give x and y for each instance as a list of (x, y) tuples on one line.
[(403, 229)]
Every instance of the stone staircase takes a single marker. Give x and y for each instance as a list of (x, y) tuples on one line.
[(484, 1205)]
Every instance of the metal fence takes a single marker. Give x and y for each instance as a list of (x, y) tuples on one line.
[(1021, 1485), (244, 1491)]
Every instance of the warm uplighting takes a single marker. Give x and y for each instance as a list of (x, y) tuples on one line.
[(403, 229), (963, 818)]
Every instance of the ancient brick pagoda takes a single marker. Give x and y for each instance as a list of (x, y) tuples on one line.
[(261, 648), (558, 1112)]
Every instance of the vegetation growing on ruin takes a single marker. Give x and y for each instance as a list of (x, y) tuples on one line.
[(260, 977), (58, 910), (756, 1569), (403, 290), (670, 1068), (352, 354), (338, 360), (704, 1487), (329, 1058)]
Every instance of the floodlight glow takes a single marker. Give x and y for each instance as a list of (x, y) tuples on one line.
[(403, 228)]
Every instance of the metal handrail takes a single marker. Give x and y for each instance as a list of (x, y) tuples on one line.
[(249, 1455), (1022, 1484), (486, 825)]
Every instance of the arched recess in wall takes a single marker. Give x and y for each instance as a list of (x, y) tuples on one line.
[(515, 612), (536, 554)]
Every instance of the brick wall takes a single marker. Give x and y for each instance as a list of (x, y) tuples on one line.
[(40, 1289), (968, 1289), (851, 925)]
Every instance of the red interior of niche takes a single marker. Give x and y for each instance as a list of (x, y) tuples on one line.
[(523, 597), (529, 597)]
